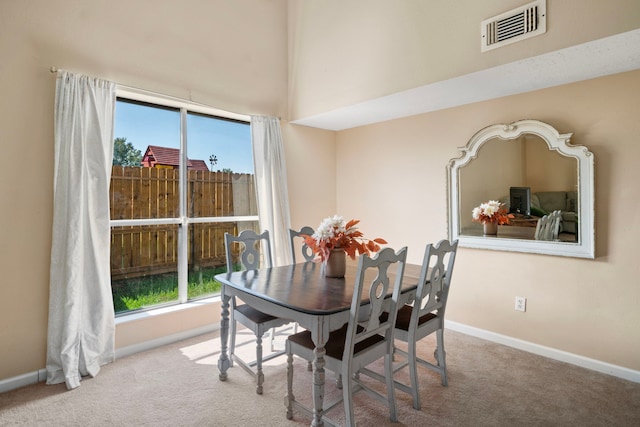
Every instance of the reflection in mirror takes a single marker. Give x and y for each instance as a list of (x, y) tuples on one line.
[(524, 162), (528, 155)]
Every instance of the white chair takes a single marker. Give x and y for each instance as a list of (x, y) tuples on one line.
[(548, 226), (250, 244), (305, 250), (424, 317), (364, 339)]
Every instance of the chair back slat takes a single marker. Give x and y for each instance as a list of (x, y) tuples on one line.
[(373, 281), (254, 249)]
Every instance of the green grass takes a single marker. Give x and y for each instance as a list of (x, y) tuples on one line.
[(134, 294)]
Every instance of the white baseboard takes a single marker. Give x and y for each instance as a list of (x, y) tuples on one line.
[(41, 374), (23, 380), (551, 353)]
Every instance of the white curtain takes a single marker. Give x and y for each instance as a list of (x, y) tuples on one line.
[(81, 314), (271, 185)]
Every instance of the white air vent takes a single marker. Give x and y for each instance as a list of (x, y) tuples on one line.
[(518, 24)]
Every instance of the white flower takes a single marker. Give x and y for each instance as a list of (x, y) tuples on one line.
[(490, 212), (329, 227), (489, 208), (338, 223), (476, 212)]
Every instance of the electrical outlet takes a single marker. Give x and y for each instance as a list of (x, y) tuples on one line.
[(521, 304)]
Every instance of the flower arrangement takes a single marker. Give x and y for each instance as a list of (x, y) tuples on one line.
[(335, 233), (491, 212)]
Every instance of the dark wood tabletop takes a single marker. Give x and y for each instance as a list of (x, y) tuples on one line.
[(302, 287)]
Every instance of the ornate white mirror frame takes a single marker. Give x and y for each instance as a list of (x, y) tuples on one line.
[(583, 248)]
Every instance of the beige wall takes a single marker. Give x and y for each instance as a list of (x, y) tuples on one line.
[(229, 55), (346, 52), (586, 307), (548, 170), (497, 167), (311, 168), (233, 55)]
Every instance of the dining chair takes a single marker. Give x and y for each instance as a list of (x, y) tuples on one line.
[(304, 249), (367, 337), (424, 317), (250, 246), (548, 227)]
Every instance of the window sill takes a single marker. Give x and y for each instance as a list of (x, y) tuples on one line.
[(125, 318)]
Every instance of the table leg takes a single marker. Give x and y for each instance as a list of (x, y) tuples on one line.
[(223, 361), (318, 387)]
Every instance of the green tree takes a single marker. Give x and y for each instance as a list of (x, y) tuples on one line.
[(125, 154)]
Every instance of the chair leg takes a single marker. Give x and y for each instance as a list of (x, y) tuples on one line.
[(347, 398), (272, 334), (289, 397), (391, 396), (259, 373), (413, 374), (232, 338), (442, 362)]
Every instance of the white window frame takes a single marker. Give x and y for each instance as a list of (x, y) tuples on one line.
[(183, 221)]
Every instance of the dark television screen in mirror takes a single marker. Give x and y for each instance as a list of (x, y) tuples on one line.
[(520, 200)]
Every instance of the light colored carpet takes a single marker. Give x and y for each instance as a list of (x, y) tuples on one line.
[(177, 385)]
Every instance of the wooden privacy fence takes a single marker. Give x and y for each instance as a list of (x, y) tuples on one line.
[(143, 193)]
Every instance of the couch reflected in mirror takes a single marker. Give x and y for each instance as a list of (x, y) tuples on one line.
[(545, 203)]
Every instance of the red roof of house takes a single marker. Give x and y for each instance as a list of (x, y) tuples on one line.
[(171, 157), (198, 165)]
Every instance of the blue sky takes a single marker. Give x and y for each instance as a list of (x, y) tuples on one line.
[(229, 141)]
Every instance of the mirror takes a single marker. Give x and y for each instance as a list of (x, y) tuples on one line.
[(532, 155)]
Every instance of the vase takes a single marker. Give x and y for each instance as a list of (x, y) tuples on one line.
[(490, 228), (336, 264)]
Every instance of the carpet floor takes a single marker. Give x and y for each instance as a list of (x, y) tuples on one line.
[(177, 385)]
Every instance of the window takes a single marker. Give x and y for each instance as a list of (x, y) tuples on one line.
[(182, 176)]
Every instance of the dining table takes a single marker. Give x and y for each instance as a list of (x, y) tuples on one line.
[(302, 293)]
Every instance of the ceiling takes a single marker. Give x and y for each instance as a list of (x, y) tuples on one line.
[(609, 55)]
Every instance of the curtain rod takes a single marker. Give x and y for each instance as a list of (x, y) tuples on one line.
[(54, 69)]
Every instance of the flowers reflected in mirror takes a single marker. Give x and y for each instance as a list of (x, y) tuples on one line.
[(491, 212)]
